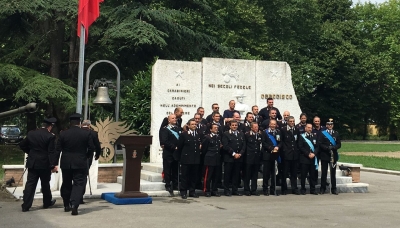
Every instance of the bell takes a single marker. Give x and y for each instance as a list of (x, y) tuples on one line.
[(102, 96)]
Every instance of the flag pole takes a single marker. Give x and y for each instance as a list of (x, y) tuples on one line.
[(80, 70)]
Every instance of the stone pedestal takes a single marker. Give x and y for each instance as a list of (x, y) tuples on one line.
[(134, 149)]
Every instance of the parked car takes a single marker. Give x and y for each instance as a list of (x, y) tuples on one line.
[(10, 134)]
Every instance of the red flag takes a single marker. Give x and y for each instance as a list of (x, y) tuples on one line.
[(88, 12)]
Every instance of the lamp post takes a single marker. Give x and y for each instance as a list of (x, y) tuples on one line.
[(106, 82)]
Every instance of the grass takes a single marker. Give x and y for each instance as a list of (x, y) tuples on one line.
[(10, 155), (373, 161), (369, 147)]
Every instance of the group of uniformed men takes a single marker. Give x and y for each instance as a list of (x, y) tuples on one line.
[(76, 146), (221, 151)]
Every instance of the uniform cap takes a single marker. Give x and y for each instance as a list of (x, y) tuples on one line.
[(50, 120), (330, 121), (75, 116)]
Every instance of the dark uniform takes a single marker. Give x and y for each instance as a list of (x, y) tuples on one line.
[(252, 161), (290, 155), (97, 146), (169, 136), (308, 164), (300, 128), (220, 133), (264, 113), (203, 121), (165, 123), (325, 148), (201, 129), (76, 146), (247, 126), (188, 153), (240, 128), (317, 133), (212, 163), (232, 143), (258, 119), (269, 158), (40, 147)]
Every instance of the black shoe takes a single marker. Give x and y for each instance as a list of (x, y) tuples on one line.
[(194, 195), (334, 192), (284, 192), (266, 193), (322, 191), (184, 196), (208, 194), (67, 209), (52, 202), (216, 194), (313, 193), (303, 192), (170, 190), (82, 202), (227, 193), (74, 211), (237, 194), (24, 209), (255, 193), (296, 192), (247, 193)]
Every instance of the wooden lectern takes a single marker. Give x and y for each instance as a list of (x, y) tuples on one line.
[(134, 149)]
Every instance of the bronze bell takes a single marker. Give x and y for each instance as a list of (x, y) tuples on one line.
[(102, 96)]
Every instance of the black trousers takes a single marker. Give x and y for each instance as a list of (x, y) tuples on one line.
[(232, 175), (268, 169), (324, 172), (211, 175), (189, 178), (289, 166), (89, 161), (251, 174), (310, 170), (170, 167), (72, 193), (30, 186)]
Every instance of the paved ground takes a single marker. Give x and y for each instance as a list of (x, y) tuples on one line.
[(377, 154), (379, 208)]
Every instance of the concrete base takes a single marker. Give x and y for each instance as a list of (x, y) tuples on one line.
[(110, 197)]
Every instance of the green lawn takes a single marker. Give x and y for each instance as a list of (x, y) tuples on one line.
[(10, 155), (369, 147), (373, 161)]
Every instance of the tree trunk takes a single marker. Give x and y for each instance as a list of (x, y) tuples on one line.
[(56, 48)]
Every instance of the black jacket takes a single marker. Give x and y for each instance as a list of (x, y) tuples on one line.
[(289, 144), (169, 141), (253, 147), (188, 151), (76, 146), (324, 143), (211, 147), (232, 143), (268, 146), (305, 149), (40, 147), (264, 113)]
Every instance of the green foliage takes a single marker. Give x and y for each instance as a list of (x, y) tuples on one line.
[(373, 161), (369, 147), (135, 105)]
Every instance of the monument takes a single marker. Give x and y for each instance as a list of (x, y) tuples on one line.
[(200, 84)]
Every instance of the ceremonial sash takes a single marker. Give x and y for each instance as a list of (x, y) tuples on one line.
[(174, 132), (330, 138), (312, 149), (273, 140)]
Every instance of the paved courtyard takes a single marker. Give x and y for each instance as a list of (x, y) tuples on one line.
[(378, 208)]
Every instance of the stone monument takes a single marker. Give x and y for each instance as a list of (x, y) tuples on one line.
[(200, 84)]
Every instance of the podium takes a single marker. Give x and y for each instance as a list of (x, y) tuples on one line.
[(134, 149)]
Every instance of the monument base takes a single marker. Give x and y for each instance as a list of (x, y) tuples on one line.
[(131, 195), (111, 197)]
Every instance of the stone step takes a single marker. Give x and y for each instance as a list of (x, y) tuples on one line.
[(147, 185), (152, 167), (150, 176)]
